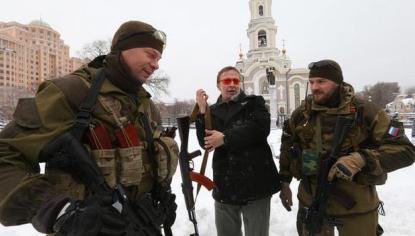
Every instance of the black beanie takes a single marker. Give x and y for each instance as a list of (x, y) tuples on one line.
[(327, 69), (136, 34)]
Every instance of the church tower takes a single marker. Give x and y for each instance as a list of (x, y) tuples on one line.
[(267, 68), (261, 29)]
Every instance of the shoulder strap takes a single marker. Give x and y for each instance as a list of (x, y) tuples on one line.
[(83, 118)]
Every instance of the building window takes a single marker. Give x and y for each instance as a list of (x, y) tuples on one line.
[(262, 38), (297, 95), (261, 10)]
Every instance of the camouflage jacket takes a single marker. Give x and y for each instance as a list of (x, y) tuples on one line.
[(307, 138), (37, 121)]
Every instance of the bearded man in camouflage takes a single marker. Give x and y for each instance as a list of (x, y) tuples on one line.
[(374, 146), (121, 136)]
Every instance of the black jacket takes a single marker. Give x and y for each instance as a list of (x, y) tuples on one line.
[(243, 169)]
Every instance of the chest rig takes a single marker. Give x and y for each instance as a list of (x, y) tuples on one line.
[(127, 144)]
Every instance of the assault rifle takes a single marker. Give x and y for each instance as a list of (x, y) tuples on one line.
[(315, 214), (185, 158), (183, 124), (68, 152)]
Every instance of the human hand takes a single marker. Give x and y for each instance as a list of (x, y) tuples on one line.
[(286, 196), (213, 139), (201, 99), (347, 166)]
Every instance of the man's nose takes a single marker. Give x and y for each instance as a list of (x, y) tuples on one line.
[(154, 64), (314, 87)]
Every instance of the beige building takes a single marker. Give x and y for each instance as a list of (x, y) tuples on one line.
[(32, 53)]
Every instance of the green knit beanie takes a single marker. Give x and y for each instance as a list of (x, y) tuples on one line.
[(137, 34)]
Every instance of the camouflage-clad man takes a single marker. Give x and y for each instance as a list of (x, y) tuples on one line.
[(374, 146), (123, 137)]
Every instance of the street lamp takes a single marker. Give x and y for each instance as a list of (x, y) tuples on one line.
[(286, 90)]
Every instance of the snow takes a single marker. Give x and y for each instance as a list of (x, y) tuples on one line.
[(397, 194)]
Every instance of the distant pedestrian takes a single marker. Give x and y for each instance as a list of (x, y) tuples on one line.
[(413, 128)]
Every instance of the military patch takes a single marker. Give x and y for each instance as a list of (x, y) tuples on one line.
[(393, 131)]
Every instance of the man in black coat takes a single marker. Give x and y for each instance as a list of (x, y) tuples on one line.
[(243, 170)]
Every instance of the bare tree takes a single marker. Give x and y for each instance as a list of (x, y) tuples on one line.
[(169, 112), (158, 83), (381, 93), (98, 47), (410, 90)]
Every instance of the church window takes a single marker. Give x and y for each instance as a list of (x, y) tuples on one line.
[(261, 10), (264, 87), (262, 38), (297, 95)]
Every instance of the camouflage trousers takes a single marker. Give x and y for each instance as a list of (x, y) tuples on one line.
[(355, 225)]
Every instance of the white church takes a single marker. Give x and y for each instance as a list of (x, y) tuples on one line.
[(266, 68)]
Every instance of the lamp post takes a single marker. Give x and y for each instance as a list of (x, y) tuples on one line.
[(272, 98), (286, 91)]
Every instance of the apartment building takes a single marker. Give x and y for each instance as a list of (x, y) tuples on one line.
[(32, 53)]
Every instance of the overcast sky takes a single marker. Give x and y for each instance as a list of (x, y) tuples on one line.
[(373, 40)]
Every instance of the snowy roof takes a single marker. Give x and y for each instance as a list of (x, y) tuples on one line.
[(407, 101)]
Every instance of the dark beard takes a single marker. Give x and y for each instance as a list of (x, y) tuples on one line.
[(333, 100)]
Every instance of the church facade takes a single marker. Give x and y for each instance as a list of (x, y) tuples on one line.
[(266, 68)]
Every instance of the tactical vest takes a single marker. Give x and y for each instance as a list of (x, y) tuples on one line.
[(119, 144), (128, 162)]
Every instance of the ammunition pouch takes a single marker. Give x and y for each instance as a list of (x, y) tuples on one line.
[(167, 155)]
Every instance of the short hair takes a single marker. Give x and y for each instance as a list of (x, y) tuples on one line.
[(227, 68)]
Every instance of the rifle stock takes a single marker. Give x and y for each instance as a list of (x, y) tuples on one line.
[(315, 214), (183, 124)]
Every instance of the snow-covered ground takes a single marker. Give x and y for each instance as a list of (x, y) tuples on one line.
[(397, 194)]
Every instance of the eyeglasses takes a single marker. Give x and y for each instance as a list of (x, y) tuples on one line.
[(158, 34), (229, 81)]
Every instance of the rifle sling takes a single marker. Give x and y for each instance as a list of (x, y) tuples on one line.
[(83, 118), (151, 152)]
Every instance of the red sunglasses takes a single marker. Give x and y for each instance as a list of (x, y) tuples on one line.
[(229, 81)]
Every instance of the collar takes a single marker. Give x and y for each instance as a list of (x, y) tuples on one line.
[(111, 84), (343, 107), (118, 74), (239, 97)]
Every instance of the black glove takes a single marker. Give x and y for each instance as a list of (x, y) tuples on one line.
[(168, 202), (89, 217)]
